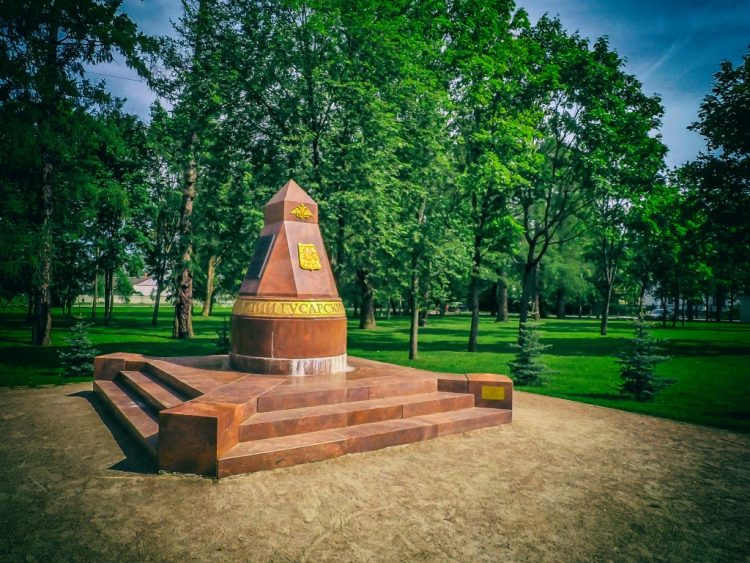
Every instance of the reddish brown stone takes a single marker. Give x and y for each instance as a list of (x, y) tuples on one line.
[(282, 452), (283, 398), (136, 418), (243, 393), (289, 308), (107, 366), (455, 422), (388, 433), (390, 387), (155, 393), (491, 390), (194, 435), (289, 338), (285, 423), (358, 393), (452, 383), (441, 403)]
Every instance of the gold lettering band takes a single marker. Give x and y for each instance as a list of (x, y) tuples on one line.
[(288, 309)]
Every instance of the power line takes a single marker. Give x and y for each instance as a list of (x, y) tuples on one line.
[(118, 77)]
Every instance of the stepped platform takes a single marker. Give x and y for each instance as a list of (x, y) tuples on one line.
[(196, 415)]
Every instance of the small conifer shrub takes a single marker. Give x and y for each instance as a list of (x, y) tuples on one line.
[(638, 363), (526, 369), (78, 357)]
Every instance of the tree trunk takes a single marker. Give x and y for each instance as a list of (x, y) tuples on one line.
[(183, 305), (30, 305), (690, 310), (210, 276), (155, 315), (526, 291), (41, 323), (641, 297), (664, 312), (108, 294), (474, 304), (719, 302), (493, 303), (42, 317), (560, 302), (606, 299), (367, 305), (682, 313), (414, 324), (501, 298), (707, 297), (536, 307), (93, 293)]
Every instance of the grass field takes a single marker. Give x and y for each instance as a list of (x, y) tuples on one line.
[(710, 362)]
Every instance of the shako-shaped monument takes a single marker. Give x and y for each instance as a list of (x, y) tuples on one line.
[(249, 411), (288, 318)]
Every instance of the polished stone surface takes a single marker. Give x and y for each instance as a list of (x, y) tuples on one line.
[(214, 421)]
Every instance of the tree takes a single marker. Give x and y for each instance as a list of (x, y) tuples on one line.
[(44, 46), (638, 363), (160, 216), (491, 125), (722, 192), (526, 369), (592, 134), (78, 358)]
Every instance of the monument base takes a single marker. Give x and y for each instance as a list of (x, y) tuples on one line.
[(193, 415), (288, 366)]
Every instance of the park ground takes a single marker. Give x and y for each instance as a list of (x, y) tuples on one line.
[(565, 481), (709, 362)]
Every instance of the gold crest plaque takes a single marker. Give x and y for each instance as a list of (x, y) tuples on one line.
[(492, 393), (308, 257), (301, 212)]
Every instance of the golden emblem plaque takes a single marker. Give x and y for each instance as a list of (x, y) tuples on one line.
[(492, 393), (301, 212), (308, 257)]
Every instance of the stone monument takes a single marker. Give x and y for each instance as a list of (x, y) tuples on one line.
[(287, 393), (288, 318)]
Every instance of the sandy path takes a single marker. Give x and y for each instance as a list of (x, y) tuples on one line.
[(565, 482)]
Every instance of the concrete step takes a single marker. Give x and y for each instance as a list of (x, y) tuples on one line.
[(299, 394), (139, 419), (324, 417), (284, 451), (156, 393)]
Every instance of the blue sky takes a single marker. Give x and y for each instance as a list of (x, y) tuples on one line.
[(674, 47)]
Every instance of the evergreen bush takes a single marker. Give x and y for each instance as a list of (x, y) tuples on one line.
[(78, 357), (638, 363), (526, 369)]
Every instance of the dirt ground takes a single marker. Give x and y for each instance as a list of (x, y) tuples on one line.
[(564, 482)]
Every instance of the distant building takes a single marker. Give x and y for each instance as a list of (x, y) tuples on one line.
[(145, 286)]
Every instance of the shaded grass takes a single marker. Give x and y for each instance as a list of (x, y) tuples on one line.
[(710, 363)]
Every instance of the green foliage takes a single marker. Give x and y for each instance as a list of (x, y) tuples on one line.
[(526, 369), (77, 359), (638, 363), (222, 340)]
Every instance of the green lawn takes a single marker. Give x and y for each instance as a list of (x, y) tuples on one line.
[(710, 363)]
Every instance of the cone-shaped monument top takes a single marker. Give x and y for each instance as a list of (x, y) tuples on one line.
[(290, 260), (291, 203)]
